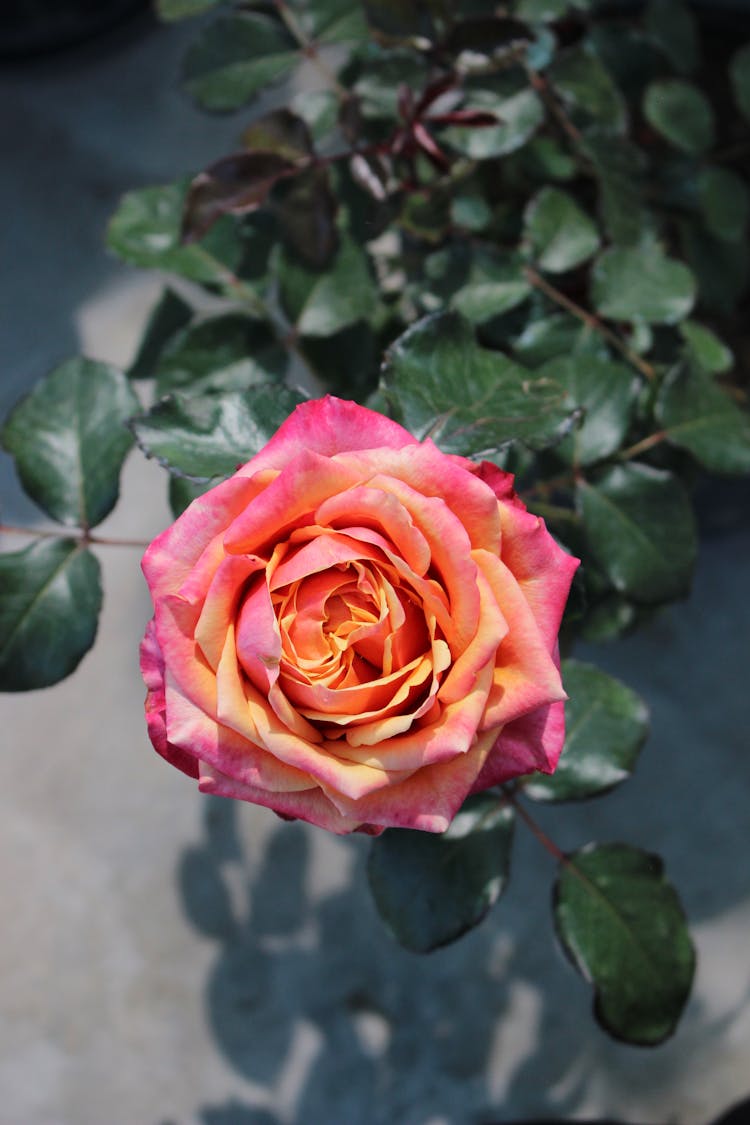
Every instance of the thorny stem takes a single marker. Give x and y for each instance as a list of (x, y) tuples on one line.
[(309, 49), (84, 537), (590, 320), (549, 845)]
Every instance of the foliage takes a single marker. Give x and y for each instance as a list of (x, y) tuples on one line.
[(537, 215)]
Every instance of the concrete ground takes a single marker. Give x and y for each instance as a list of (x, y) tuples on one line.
[(173, 960)]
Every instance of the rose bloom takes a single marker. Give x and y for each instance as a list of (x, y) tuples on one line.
[(356, 629)]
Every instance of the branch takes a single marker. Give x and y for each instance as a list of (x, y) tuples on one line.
[(589, 320), (85, 537)]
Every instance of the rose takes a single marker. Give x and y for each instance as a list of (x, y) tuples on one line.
[(356, 629)]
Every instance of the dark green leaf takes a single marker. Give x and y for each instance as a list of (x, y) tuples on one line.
[(681, 113), (705, 349), (606, 391), (618, 166), (587, 90), (378, 85), (496, 283), (236, 57), (319, 109), (739, 73), (520, 113), (347, 362), (640, 529), (170, 10), (69, 440), (167, 317), (470, 401), (557, 335), (408, 21), (426, 215), (541, 9), (605, 727), (642, 283), (622, 925), (231, 352), (610, 617), (547, 160), (145, 231), (698, 416), (722, 268), (724, 201), (431, 888), (323, 303), (209, 436), (235, 185), (50, 597), (674, 28), (560, 234), (337, 21)]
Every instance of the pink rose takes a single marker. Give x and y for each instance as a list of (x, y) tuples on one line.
[(356, 629)]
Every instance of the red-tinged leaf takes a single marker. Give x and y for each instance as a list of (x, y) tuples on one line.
[(282, 132), (372, 174), (236, 184), (305, 207), (434, 91), (429, 147), (474, 118)]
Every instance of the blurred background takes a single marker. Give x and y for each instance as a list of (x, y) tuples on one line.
[(176, 959)]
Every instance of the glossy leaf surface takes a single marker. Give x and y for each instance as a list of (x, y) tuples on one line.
[(640, 528), (50, 597), (69, 440), (469, 400), (431, 888), (622, 925), (605, 727)]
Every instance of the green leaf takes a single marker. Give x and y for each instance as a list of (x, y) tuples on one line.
[(236, 57), (496, 283), (561, 235), (172, 10), (168, 316), (408, 21), (280, 131), (145, 231), (469, 400), (69, 440), (201, 437), (724, 202), (548, 337), (605, 727), (642, 283), (587, 89), (698, 416), (337, 21), (705, 349), (640, 529), (231, 352), (520, 113), (622, 925), (540, 10), (323, 303), (722, 268), (618, 166), (681, 113), (739, 74), (606, 391), (431, 888), (674, 28), (50, 597)]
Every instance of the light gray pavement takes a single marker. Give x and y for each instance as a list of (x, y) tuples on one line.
[(171, 959)]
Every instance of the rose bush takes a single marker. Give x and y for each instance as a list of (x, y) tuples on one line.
[(356, 629)]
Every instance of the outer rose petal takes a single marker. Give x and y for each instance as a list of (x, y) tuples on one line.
[(533, 742), (327, 426), (152, 670)]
